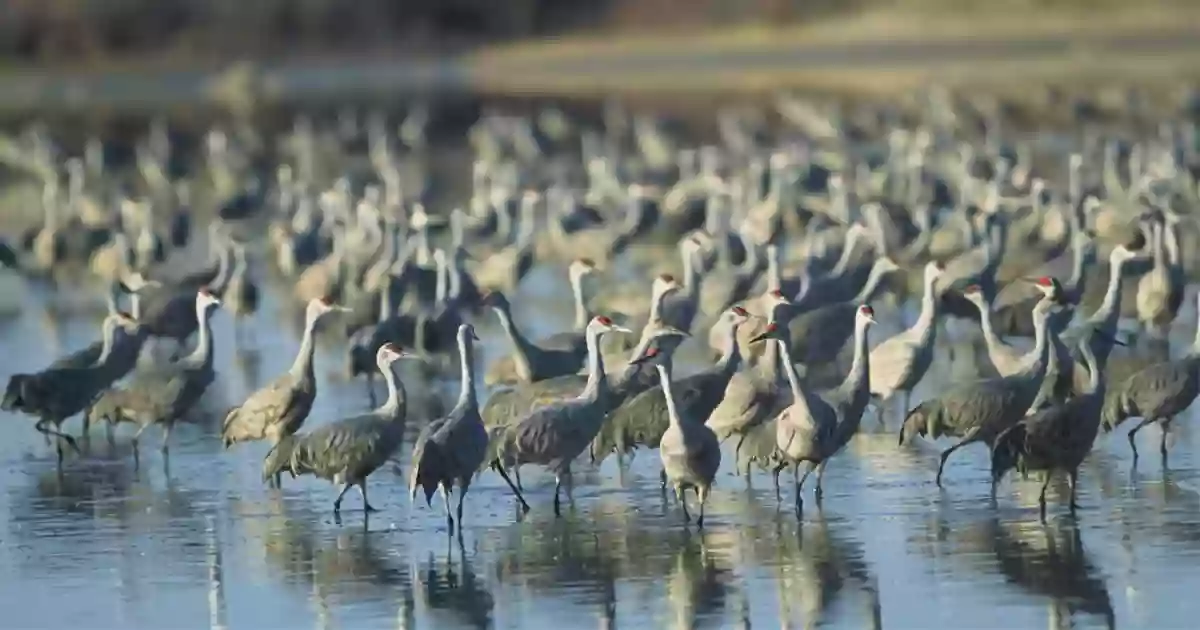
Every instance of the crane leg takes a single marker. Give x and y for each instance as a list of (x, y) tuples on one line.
[(446, 501), (517, 476), (462, 494), (820, 490), (1042, 496), (1133, 432), (362, 489), (800, 487), (166, 443), (1074, 481), (337, 503), (682, 498), (702, 498), (1162, 444), (775, 475), (43, 428), (557, 492), (515, 489), (946, 455)]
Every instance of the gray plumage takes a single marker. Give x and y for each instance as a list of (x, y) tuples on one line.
[(1156, 394), (679, 308), (814, 427), (981, 410), (644, 418), (450, 450), (554, 435), (1160, 290), (1100, 329), (900, 362), (689, 450), (1055, 439), (164, 395), (530, 362), (55, 394), (280, 407), (347, 451)]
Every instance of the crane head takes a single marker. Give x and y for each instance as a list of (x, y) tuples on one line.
[(739, 316), (206, 299), (866, 314), (973, 291), (325, 304), (494, 299), (603, 323), (390, 353)]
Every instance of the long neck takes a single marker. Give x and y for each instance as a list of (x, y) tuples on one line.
[(774, 275), (396, 405), (1078, 262), (656, 302), (1036, 360), (108, 333), (204, 351), (860, 367), (596, 374), (135, 305), (385, 301), (302, 366), (731, 359), (993, 340), (522, 349), (664, 376), (924, 324), (582, 316), (789, 368), (453, 276), (1095, 384), (691, 275), (871, 285), (1112, 295), (466, 395), (843, 261)]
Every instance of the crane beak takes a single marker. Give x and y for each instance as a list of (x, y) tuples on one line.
[(622, 329), (763, 336), (1110, 338)]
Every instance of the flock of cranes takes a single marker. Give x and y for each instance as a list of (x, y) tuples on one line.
[(790, 242)]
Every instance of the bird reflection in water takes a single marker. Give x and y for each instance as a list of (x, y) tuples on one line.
[(1046, 559), (350, 565), (697, 585), (444, 591)]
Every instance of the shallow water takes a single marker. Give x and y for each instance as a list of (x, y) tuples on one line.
[(203, 543)]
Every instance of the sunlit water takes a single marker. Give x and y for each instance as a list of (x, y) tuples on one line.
[(206, 544)]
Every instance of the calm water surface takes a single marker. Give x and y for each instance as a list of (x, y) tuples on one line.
[(204, 544)]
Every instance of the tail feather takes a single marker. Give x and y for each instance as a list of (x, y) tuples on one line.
[(916, 422), (279, 459), (14, 393), (226, 436), (1008, 450), (427, 468)]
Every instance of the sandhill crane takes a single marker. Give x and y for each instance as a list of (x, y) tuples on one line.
[(280, 408), (347, 451), (644, 418), (54, 395), (1160, 290), (530, 362), (1156, 394), (817, 426), (981, 410), (900, 362), (679, 309), (1054, 439), (450, 450), (577, 272), (507, 406), (690, 451), (164, 395), (1100, 329), (555, 434)]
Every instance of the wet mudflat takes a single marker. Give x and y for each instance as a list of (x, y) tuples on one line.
[(204, 543)]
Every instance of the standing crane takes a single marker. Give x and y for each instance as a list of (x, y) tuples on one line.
[(530, 362), (900, 362), (55, 394), (451, 449), (347, 451), (980, 410), (1157, 394), (644, 419), (280, 408), (164, 395), (815, 427), (690, 451), (554, 435), (1054, 439)]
